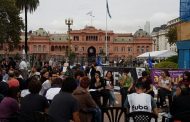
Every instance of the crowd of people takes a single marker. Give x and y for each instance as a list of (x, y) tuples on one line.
[(79, 93)]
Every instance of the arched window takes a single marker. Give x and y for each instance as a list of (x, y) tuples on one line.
[(63, 48), (59, 48), (52, 48), (39, 48), (147, 48), (44, 48), (34, 48), (56, 48)]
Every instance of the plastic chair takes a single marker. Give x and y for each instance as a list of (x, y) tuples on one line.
[(114, 114), (141, 116)]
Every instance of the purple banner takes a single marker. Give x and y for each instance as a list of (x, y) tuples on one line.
[(175, 74)]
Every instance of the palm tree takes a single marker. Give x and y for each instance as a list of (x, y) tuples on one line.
[(27, 6)]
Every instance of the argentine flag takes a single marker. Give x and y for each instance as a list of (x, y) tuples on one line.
[(108, 11)]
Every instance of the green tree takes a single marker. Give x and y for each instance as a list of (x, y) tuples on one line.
[(172, 35), (173, 59), (72, 57), (11, 23), (166, 64), (27, 6)]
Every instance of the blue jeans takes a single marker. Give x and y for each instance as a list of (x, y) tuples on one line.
[(96, 114), (111, 98)]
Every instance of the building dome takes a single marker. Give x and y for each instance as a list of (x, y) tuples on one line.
[(141, 33), (40, 32)]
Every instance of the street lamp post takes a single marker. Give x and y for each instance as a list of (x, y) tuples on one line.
[(69, 22), (154, 44)]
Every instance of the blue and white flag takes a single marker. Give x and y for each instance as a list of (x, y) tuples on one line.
[(99, 61), (149, 62), (90, 13), (108, 11)]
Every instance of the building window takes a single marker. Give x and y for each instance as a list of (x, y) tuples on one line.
[(35, 48), (142, 49), (137, 50), (76, 48), (108, 38), (129, 49), (44, 48), (123, 49), (76, 38), (59, 48), (82, 48), (147, 48), (52, 48), (86, 38), (96, 38), (39, 48), (91, 38), (116, 49)]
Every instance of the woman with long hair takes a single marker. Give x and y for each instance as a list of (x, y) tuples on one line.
[(165, 88), (110, 86)]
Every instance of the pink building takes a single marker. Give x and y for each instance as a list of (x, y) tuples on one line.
[(43, 45)]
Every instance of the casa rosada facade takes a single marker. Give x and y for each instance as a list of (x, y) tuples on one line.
[(119, 45)]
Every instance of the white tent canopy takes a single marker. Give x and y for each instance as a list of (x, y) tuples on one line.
[(158, 54)]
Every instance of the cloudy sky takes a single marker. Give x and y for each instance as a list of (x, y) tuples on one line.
[(127, 15)]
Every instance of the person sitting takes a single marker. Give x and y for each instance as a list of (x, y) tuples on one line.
[(87, 104), (54, 89), (186, 80), (47, 83), (164, 88), (12, 82), (110, 86), (180, 104), (98, 84), (9, 105), (148, 83), (4, 87), (33, 102), (140, 101), (78, 74), (126, 83), (64, 106)]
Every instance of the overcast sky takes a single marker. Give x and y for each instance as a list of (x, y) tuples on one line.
[(127, 15)]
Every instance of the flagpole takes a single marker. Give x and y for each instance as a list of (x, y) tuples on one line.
[(106, 41)]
